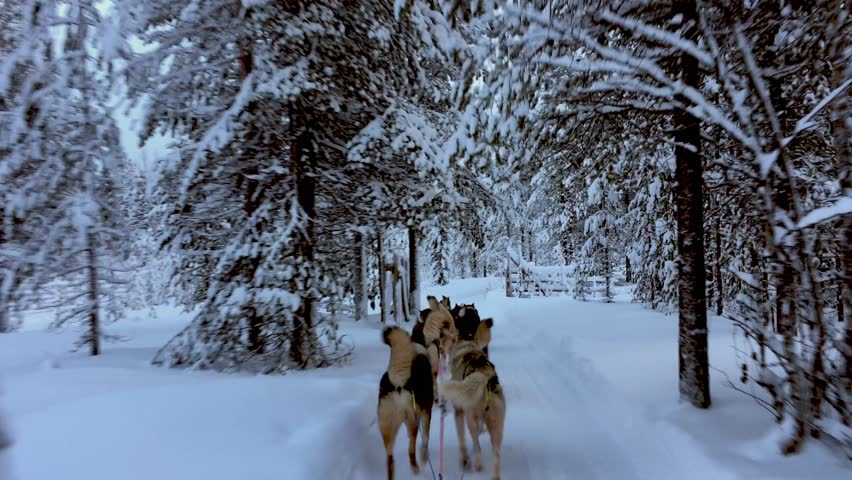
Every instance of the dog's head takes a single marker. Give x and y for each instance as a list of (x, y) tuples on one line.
[(393, 335), (433, 302), (445, 301), (467, 320)]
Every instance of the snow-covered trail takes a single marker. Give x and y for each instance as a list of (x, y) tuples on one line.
[(563, 421), (591, 392)]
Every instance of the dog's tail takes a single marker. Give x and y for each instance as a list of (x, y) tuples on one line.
[(466, 393)]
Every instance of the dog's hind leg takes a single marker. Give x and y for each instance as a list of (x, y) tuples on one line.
[(389, 423), (411, 422), (494, 423), (473, 424), (425, 426), (465, 460)]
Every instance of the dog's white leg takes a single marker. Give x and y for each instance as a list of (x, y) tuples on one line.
[(473, 424), (465, 461)]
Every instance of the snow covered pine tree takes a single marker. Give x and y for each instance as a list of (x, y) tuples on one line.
[(64, 236)]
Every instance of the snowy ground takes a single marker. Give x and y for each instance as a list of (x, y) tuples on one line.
[(591, 391)]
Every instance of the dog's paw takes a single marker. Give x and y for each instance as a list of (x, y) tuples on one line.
[(465, 462), (415, 469), (424, 454), (477, 463)]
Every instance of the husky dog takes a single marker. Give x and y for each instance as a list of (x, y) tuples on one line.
[(406, 395), (471, 327), (438, 333), (476, 394), (445, 301)]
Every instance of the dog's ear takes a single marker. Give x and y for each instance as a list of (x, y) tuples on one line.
[(489, 322)]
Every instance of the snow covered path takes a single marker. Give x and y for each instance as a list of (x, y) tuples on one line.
[(563, 421), (591, 392)]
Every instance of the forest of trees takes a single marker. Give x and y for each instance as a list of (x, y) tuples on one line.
[(701, 148)]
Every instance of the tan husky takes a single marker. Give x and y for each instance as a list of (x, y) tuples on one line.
[(406, 395), (476, 394), (437, 334)]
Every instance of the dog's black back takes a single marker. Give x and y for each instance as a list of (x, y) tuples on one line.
[(419, 383)]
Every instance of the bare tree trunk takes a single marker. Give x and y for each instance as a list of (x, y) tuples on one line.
[(509, 292), (94, 312), (717, 271), (303, 160), (692, 305), (653, 298), (413, 274), (5, 321), (442, 275), (383, 300), (251, 201), (360, 286), (607, 276), (841, 111), (5, 450)]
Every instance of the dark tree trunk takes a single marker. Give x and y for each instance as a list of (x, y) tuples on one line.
[(94, 306), (717, 271), (251, 200), (694, 377), (5, 449), (383, 301), (5, 321), (441, 274), (413, 280), (509, 291), (360, 282), (653, 298), (607, 276), (250, 205), (841, 110), (628, 274), (303, 160)]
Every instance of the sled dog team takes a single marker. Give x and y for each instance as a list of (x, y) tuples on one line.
[(409, 387)]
